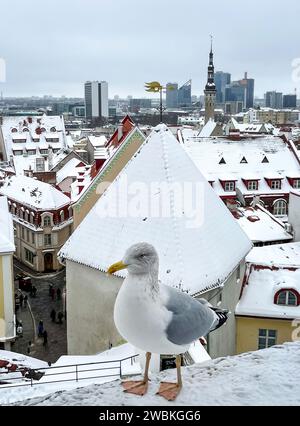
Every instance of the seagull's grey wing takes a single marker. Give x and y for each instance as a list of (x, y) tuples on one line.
[(190, 320)]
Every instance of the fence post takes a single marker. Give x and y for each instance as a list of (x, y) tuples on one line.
[(76, 373), (31, 384), (120, 369)]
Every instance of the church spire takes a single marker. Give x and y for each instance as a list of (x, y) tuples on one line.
[(210, 88)]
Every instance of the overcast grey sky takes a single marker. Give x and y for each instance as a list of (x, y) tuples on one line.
[(53, 46)]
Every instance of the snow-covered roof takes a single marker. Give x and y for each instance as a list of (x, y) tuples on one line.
[(267, 156), (281, 255), (270, 269), (260, 225), (34, 129), (33, 193), (258, 294), (68, 170), (194, 255), (207, 129), (7, 231), (98, 141)]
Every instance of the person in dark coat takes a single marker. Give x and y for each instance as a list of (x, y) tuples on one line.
[(53, 315), (60, 317), (40, 329), (58, 293), (45, 337), (52, 293)]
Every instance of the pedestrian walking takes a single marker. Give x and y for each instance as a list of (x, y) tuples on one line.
[(60, 316), (52, 293), (58, 293), (20, 330), (21, 300), (45, 337), (29, 347), (53, 315), (40, 329)]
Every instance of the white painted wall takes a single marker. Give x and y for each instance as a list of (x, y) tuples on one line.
[(222, 342), (91, 297), (294, 214), (7, 331)]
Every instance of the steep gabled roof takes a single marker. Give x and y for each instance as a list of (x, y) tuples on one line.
[(33, 193), (193, 256)]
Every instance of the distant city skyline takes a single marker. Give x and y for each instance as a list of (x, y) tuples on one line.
[(55, 48)]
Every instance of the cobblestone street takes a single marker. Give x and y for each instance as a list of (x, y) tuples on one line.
[(41, 306)]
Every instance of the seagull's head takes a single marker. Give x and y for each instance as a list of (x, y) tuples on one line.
[(140, 258)]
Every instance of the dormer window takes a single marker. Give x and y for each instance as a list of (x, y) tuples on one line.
[(47, 221), (14, 130), (252, 185), (275, 184), (265, 160), (287, 297), (229, 186), (25, 129), (296, 184), (53, 129), (222, 161), (243, 161)]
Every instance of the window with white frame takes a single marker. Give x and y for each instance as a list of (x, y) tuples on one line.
[(276, 184), (266, 338), (296, 183), (287, 298), (279, 208), (47, 240), (229, 186), (47, 221), (252, 185)]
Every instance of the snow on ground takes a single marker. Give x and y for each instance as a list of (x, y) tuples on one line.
[(266, 377)]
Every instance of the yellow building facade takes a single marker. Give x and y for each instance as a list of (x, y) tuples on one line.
[(248, 331)]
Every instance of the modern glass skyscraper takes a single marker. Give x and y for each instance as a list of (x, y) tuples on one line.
[(289, 101), (221, 80), (185, 94)]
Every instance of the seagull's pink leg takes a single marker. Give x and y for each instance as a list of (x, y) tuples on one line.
[(139, 387), (169, 390)]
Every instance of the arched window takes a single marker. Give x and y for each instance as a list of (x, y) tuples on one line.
[(279, 208), (287, 298), (47, 221), (62, 215)]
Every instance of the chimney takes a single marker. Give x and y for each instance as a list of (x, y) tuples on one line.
[(246, 75), (120, 131)]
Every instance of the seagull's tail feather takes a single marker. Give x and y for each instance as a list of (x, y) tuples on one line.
[(221, 317)]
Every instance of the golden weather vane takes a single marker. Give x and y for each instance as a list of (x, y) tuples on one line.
[(156, 87)]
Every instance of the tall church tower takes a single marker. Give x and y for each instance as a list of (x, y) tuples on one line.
[(210, 88)]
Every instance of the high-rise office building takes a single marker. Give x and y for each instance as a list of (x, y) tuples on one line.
[(172, 95), (221, 80), (289, 101), (241, 90), (273, 99), (185, 95), (96, 99)]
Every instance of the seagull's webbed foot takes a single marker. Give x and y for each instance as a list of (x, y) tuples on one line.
[(135, 387), (169, 390)]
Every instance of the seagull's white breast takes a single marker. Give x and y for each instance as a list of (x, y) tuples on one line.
[(142, 319)]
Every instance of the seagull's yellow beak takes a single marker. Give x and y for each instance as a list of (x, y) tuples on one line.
[(116, 267)]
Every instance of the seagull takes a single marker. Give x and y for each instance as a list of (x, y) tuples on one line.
[(157, 318)]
